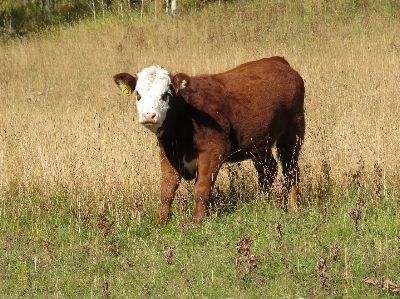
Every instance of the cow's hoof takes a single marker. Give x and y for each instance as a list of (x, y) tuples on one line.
[(161, 220), (197, 219)]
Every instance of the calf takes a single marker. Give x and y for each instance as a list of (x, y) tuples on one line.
[(204, 121)]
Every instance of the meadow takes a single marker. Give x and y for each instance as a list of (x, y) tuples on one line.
[(79, 177)]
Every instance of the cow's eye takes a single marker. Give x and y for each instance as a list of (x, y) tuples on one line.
[(165, 97), (138, 96)]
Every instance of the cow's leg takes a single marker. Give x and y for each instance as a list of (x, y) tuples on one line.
[(267, 169), (207, 171), (170, 179), (288, 147)]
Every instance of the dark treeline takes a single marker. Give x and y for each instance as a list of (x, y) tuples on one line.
[(23, 16), (19, 17)]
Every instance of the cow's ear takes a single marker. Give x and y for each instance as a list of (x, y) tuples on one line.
[(126, 82), (180, 81)]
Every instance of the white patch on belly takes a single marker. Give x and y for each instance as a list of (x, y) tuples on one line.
[(190, 166)]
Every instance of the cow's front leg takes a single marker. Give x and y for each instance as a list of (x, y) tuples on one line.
[(170, 179), (207, 171)]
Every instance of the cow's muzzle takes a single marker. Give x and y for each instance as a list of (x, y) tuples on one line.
[(149, 118)]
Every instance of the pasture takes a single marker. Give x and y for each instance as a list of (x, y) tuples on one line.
[(79, 177)]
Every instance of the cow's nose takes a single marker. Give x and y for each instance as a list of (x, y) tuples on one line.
[(149, 117)]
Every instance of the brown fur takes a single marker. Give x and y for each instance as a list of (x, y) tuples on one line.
[(228, 117)]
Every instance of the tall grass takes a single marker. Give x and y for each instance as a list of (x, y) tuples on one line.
[(77, 171), (64, 122)]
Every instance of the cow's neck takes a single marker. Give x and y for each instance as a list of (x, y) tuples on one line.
[(177, 134)]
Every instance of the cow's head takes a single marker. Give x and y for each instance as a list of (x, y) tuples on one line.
[(153, 89)]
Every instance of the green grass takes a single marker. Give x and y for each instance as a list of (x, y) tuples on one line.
[(49, 250)]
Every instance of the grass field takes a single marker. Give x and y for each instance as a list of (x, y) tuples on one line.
[(79, 178)]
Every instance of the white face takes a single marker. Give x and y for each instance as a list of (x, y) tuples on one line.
[(152, 97)]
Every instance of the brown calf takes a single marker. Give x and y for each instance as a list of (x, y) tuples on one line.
[(204, 121)]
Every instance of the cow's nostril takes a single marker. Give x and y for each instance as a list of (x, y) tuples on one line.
[(149, 116)]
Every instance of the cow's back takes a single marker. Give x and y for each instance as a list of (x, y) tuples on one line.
[(266, 98)]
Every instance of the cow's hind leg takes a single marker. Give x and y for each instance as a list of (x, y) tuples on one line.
[(288, 147), (267, 168)]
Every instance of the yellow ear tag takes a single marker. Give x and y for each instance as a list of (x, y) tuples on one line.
[(126, 89)]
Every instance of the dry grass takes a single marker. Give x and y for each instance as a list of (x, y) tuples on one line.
[(64, 123)]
